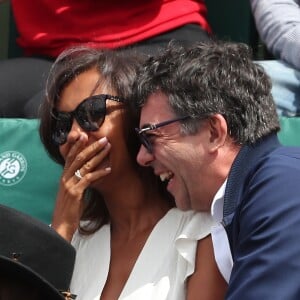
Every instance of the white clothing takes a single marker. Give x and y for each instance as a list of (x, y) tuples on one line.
[(166, 260), (219, 236)]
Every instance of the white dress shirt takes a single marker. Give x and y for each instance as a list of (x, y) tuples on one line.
[(221, 246)]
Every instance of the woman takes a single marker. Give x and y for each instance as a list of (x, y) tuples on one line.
[(131, 242)]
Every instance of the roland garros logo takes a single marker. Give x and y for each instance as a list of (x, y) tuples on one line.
[(13, 167)]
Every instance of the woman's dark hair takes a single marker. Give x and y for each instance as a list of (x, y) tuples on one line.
[(118, 71)]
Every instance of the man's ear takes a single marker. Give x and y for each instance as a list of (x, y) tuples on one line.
[(218, 131)]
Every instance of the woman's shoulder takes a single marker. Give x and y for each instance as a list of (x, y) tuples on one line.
[(185, 226), (199, 221)]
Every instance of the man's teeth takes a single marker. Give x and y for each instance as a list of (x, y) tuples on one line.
[(165, 176)]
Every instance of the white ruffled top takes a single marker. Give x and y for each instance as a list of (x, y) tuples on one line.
[(161, 270)]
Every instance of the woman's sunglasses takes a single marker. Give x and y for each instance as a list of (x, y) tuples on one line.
[(89, 114)]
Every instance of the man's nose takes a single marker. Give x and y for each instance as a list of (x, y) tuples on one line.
[(144, 157)]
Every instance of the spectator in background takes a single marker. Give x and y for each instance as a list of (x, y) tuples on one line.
[(278, 24), (35, 262), (47, 27)]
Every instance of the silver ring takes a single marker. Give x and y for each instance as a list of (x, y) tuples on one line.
[(78, 175)]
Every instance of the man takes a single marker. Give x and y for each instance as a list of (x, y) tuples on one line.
[(209, 128)]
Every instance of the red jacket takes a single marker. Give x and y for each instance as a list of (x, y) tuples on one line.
[(46, 27)]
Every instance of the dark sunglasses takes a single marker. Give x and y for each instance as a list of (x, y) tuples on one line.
[(144, 138), (89, 114)]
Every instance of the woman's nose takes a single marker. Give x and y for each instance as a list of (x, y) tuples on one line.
[(144, 157), (75, 133)]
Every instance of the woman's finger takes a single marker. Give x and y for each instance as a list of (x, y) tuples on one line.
[(90, 177), (74, 151), (94, 162), (76, 160)]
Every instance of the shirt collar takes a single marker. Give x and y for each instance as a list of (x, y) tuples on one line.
[(218, 203)]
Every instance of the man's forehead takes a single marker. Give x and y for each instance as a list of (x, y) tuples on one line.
[(155, 109)]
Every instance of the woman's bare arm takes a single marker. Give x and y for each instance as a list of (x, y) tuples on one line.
[(206, 283)]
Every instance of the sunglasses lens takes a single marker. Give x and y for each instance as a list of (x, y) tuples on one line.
[(146, 143), (144, 140), (90, 114), (63, 123)]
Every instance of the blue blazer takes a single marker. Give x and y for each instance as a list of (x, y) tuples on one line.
[(262, 221)]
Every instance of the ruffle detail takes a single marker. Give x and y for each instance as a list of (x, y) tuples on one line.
[(186, 243)]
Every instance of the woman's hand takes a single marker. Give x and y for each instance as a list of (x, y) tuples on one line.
[(69, 201)]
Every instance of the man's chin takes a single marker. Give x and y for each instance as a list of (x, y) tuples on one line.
[(182, 204), (182, 201)]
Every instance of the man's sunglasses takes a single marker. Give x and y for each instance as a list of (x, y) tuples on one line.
[(144, 138), (89, 114)]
